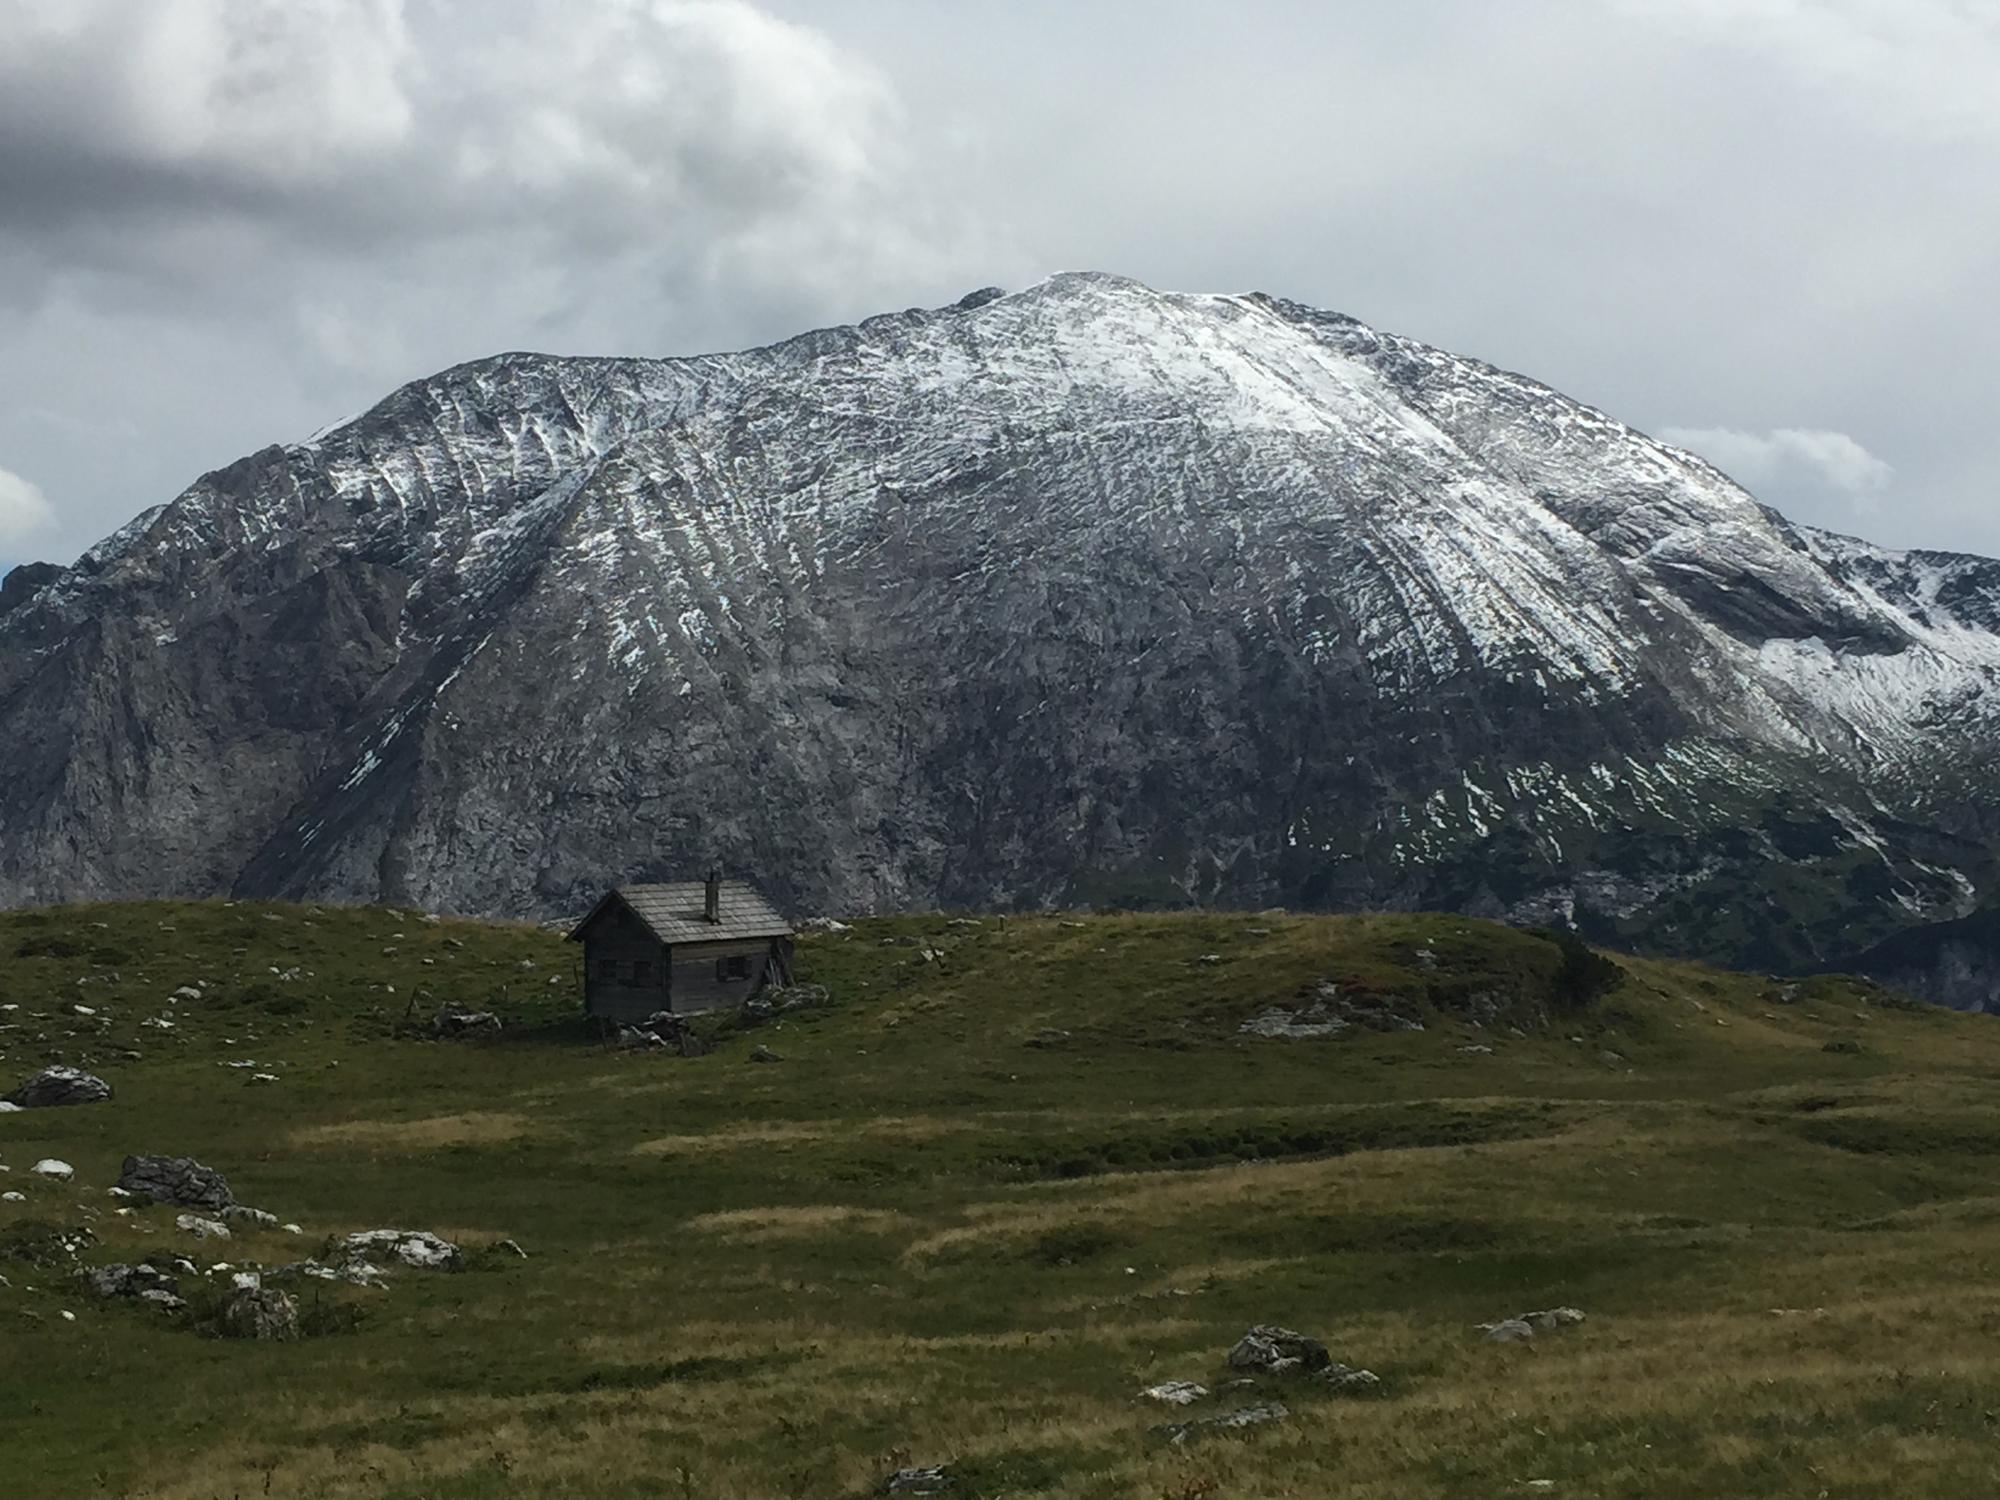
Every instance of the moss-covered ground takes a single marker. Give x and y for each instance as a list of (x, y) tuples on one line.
[(1015, 1171)]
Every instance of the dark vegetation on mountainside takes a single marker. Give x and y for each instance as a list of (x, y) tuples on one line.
[(1011, 1173)]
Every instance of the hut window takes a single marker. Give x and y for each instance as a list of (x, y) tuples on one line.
[(737, 967), (642, 972)]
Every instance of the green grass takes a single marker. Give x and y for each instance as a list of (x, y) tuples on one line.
[(933, 1233)]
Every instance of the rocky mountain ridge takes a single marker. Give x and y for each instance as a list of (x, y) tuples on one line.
[(1084, 593)]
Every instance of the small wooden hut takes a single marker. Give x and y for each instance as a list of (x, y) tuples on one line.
[(689, 946)]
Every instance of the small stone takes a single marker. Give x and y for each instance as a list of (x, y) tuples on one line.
[(1553, 1317), (1351, 1382), (511, 1248), (291, 1229), (1245, 1416), (201, 1228), (56, 1171), (1507, 1330), (1048, 1037), (918, 1481), (256, 1217), (762, 1054), (187, 992), (1176, 1392), (457, 1020), (13, 1197)]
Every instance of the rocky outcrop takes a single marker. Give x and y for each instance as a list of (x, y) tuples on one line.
[(1085, 593), (59, 1085), (257, 1312), (179, 1180), (412, 1247), (1268, 1349)]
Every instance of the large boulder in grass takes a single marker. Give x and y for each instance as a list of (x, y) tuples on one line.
[(255, 1312), (60, 1085), (1270, 1350), (179, 1180), (413, 1247)]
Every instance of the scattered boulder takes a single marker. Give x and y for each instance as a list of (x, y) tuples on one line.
[(255, 1217), (141, 1282), (1271, 1350), (663, 1030), (823, 924), (918, 1481), (1553, 1317), (54, 1170), (780, 998), (354, 1272), (1244, 1416), (1176, 1392), (413, 1247), (458, 1020), (58, 1084), (1507, 1330), (1331, 1012), (10, 1196), (200, 1228), (761, 1053), (1351, 1382), (256, 1312), (179, 1180)]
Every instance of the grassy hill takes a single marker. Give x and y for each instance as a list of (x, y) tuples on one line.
[(1012, 1173)]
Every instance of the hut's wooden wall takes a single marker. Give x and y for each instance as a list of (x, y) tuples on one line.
[(620, 940)]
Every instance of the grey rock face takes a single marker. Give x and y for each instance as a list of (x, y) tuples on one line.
[(179, 1180), (1084, 593), (60, 1085)]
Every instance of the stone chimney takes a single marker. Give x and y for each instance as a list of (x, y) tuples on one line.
[(712, 905)]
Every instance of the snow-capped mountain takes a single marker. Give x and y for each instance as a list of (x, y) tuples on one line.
[(1085, 593)]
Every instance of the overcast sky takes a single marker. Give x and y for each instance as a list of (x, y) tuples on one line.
[(1766, 229)]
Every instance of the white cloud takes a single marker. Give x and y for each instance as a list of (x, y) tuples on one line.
[(1923, 65), (24, 510), (604, 125), (247, 91), (1786, 457)]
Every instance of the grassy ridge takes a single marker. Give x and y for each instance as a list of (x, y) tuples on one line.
[(1014, 1172)]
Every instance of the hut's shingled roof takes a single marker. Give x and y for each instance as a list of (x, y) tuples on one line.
[(674, 912)]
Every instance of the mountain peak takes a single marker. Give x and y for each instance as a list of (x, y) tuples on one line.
[(1081, 592)]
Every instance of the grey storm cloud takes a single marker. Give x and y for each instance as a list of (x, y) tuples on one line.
[(1764, 228)]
